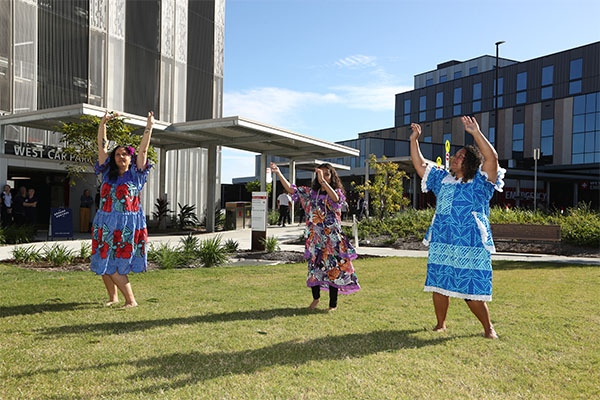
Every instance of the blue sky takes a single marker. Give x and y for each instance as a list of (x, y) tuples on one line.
[(330, 68)]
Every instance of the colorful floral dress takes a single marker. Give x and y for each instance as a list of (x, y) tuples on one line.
[(459, 238), (119, 233), (328, 251)]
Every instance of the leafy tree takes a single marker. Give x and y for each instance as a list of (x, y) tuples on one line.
[(254, 186), (80, 142), (386, 190)]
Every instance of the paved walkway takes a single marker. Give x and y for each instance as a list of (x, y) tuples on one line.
[(290, 232)]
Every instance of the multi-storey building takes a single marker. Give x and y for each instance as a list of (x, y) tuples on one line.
[(551, 103), (126, 55)]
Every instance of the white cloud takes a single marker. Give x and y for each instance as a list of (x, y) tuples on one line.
[(235, 164), (275, 106), (377, 97), (356, 61)]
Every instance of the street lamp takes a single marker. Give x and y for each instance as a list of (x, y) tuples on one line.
[(496, 92)]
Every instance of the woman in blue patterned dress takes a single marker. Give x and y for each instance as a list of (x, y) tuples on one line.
[(119, 233), (459, 238), (328, 251)]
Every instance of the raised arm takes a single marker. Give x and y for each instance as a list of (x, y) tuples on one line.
[(284, 182), (332, 193), (142, 154), (102, 140), (419, 162), (490, 162)]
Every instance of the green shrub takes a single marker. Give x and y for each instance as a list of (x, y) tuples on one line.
[(187, 215), (211, 253), (231, 246), (85, 252), (14, 234), (58, 255), (579, 226), (273, 217), (165, 256), (271, 244), (28, 254)]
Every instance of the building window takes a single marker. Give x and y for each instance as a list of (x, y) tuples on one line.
[(422, 108), (547, 81), (500, 92), (477, 97), (521, 88), (457, 74), (457, 101), (429, 82), (586, 129), (547, 137), (575, 74), (472, 70), (406, 111), (439, 104), (447, 137), (517, 140), (427, 139), (443, 78), (492, 136)]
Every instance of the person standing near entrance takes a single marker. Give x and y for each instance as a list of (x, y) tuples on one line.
[(85, 209), (328, 251), (18, 208), (283, 204), (119, 232), (30, 206), (459, 238), (7, 204)]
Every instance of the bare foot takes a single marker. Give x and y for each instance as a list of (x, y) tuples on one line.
[(110, 303), (438, 328), (314, 304), (332, 308), (491, 334), (129, 305)]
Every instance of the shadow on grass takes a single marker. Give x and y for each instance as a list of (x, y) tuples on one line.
[(503, 265), (131, 326), (181, 369), (25, 309)]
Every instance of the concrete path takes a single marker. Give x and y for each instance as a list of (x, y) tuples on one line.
[(290, 232)]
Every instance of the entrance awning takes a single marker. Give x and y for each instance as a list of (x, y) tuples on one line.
[(235, 132)]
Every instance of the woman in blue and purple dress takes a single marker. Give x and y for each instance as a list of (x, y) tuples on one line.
[(328, 251), (119, 232)]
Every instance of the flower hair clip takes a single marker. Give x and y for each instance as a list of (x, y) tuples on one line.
[(131, 150)]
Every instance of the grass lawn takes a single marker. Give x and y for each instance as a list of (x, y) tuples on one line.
[(244, 333)]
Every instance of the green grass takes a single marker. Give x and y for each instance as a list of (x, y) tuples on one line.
[(244, 333)]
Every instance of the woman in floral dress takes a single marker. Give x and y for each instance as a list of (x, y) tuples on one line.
[(459, 238), (328, 251), (119, 231)]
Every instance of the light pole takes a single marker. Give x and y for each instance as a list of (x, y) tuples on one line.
[(536, 157), (496, 96)]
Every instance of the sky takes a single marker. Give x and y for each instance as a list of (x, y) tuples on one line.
[(331, 68)]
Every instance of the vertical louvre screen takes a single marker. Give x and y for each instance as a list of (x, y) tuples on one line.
[(142, 56), (63, 32)]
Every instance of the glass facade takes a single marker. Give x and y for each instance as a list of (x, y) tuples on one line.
[(575, 74), (476, 97), (586, 129), (439, 105), (547, 81), (547, 137), (422, 108), (517, 140), (457, 108), (521, 88), (406, 111)]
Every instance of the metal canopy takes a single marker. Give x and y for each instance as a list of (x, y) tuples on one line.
[(244, 134), (235, 132), (312, 164)]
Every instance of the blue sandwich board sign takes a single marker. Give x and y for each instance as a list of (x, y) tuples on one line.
[(61, 223)]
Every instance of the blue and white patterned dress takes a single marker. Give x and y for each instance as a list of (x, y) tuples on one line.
[(459, 238)]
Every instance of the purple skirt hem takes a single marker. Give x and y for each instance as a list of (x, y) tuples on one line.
[(348, 289)]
